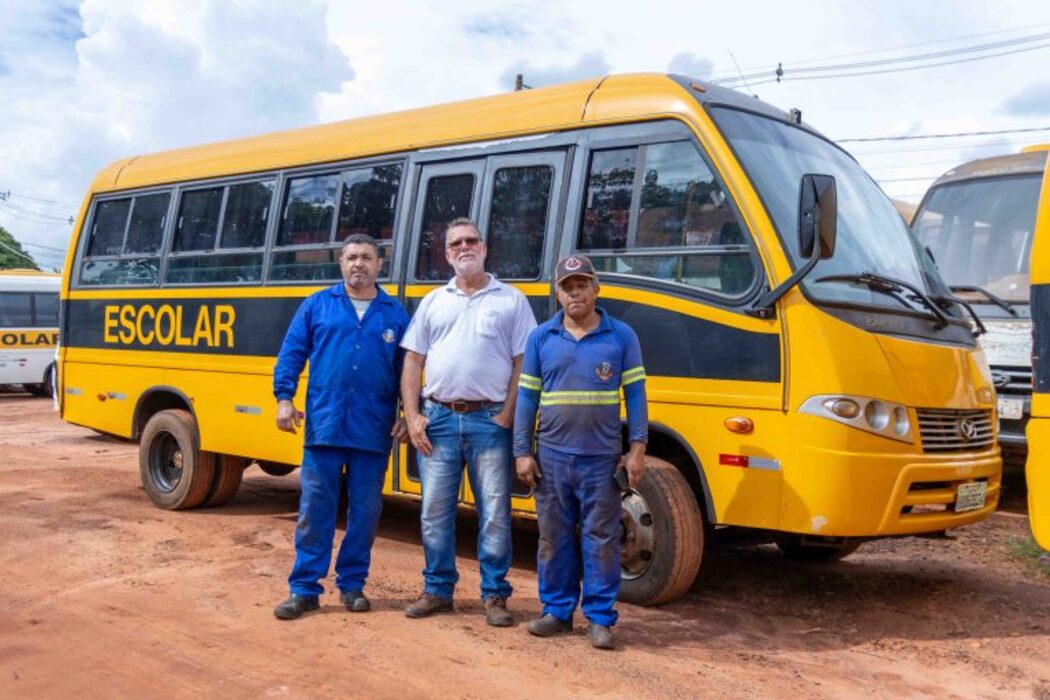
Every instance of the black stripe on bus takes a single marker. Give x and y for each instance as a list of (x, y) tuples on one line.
[(673, 344), (1040, 296)]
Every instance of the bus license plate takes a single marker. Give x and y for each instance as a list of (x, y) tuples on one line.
[(1011, 409), (971, 496)]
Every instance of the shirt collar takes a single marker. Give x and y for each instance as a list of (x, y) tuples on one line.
[(338, 290), (558, 322), (492, 284)]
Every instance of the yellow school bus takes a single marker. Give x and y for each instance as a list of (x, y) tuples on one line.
[(28, 329), (1037, 466), (809, 376)]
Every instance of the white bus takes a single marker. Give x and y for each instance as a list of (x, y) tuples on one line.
[(28, 329)]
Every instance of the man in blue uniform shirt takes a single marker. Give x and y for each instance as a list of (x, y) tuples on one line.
[(351, 335), (574, 368)]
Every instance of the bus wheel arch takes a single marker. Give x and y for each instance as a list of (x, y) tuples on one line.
[(155, 400)]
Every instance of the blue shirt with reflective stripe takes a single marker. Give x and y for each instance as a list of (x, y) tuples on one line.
[(575, 385), (355, 367)]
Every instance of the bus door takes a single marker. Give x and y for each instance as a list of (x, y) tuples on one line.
[(516, 201)]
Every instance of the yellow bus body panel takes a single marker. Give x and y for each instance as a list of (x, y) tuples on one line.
[(1037, 466)]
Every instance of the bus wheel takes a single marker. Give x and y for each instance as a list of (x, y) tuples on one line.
[(36, 390), (229, 470), (803, 548), (49, 381), (276, 468), (662, 539), (175, 473)]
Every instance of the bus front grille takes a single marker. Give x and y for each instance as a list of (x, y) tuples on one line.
[(1012, 381), (946, 430)]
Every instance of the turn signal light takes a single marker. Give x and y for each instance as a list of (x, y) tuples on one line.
[(740, 424), (101, 397)]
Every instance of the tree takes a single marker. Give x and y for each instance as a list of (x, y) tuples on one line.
[(12, 255)]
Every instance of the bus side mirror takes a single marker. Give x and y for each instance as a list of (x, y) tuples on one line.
[(817, 215)]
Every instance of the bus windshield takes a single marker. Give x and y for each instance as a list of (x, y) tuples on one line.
[(872, 237), (980, 233)]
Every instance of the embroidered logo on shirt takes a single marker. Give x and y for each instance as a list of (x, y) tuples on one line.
[(604, 371), (388, 335)]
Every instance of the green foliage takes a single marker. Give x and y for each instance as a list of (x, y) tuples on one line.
[(12, 255), (1031, 555)]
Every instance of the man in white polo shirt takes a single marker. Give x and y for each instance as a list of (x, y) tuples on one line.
[(470, 336)]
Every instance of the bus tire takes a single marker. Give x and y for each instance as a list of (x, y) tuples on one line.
[(35, 390), (276, 468), (175, 473), (662, 540), (793, 546), (229, 470), (48, 385)]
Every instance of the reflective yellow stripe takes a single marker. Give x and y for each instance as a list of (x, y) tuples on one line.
[(530, 382), (632, 375), (635, 378), (580, 398)]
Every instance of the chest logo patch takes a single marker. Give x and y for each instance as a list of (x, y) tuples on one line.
[(604, 371), (388, 335)]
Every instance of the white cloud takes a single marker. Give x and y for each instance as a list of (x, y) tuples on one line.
[(131, 79), (1033, 101), (686, 63), (590, 65)]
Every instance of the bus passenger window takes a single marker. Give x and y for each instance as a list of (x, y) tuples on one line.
[(107, 235), (247, 211), (118, 257), (518, 221), (448, 197), (45, 310), (147, 223), (15, 310), (198, 222), (686, 230), (607, 211), (367, 204), (309, 210)]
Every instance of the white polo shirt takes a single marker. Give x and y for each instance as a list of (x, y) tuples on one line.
[(470, 341)]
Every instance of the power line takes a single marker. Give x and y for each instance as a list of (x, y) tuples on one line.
[(45, 247), (898, 48), (45, 200), (16, 252), (944, 136), (31, 212)]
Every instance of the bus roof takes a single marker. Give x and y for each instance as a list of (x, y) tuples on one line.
[(594, 101), (26, 272), (1036, 148), (1026, 162)]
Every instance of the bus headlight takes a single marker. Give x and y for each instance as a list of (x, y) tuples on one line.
[(890, 420)]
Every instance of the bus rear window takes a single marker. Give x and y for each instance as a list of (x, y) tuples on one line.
[(125, 242)]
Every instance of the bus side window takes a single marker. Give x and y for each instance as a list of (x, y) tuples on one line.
[(448, 197), (45, 310), (521, 199), (321, 211), (15, 310), (672, 221), (219, 234), (124, 248)]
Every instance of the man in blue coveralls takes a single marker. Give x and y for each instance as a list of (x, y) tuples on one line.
[(575, 365), (351, 335)]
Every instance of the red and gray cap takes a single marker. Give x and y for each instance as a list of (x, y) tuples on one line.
[(573, 266)]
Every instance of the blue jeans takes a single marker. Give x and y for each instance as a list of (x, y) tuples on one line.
[(578, 490), (485, 447), (320, 479)]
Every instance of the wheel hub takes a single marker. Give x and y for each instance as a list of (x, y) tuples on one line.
[(166, 462), (637, 536)]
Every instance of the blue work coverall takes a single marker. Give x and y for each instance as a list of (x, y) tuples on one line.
[(575, 385), (351, 407)]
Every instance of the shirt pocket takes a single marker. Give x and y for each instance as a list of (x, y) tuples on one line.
[(488, 323)]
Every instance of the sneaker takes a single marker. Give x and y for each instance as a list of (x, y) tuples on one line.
[(496, 613), (601, 637), (427, 605), (295, 606), (355, 601), (548, 626)]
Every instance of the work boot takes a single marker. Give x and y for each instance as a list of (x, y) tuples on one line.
[(548, 626), (427, 605), (496, 613), (601, 637), (295, 606), (355, 601)]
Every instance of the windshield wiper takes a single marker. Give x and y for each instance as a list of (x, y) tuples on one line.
[(948, 302), (893, 287), (998, 301)]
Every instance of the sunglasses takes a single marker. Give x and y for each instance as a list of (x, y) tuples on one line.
[(467, 242)]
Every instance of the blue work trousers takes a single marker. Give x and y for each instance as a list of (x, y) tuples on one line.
[(578, 490), (320, 479), (472, 438)]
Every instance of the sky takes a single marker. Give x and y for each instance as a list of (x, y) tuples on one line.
[(85, 83)]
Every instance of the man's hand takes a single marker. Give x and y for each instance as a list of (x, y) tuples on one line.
[(634, 462), (504, 419), (528, 471), (417, 433), (288, 419), (400, 431)]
